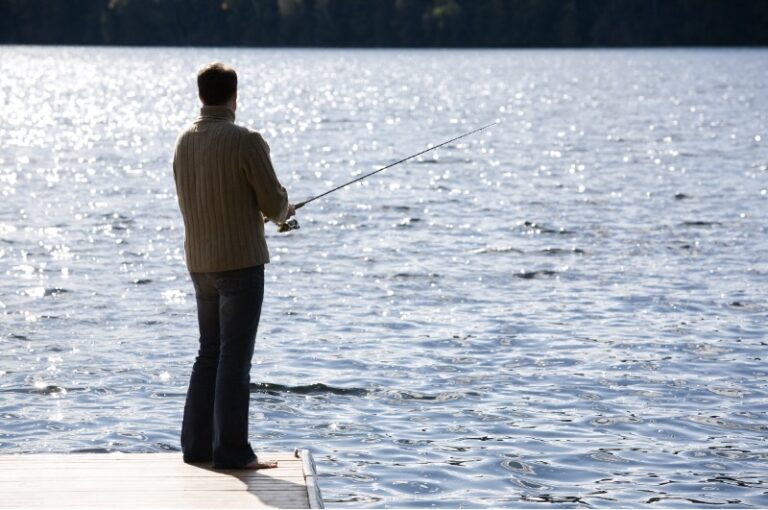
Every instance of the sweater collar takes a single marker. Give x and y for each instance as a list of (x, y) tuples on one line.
[(216, 112)]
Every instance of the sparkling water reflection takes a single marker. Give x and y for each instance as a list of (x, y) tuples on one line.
[(567, 309)]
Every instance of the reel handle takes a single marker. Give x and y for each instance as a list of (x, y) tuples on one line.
[(292, 224)]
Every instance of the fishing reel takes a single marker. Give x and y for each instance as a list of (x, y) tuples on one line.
[(292, 224)]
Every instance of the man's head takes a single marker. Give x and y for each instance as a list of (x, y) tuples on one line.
[(217, 85)]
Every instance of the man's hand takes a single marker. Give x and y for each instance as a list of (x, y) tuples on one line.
[(288, 225)]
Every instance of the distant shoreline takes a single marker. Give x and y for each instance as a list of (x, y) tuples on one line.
[(387, 23), (404, 48)]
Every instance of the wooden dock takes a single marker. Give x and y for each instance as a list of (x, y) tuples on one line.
[(154, 480)]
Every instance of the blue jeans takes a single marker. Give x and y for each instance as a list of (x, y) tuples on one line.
[(215, 426)]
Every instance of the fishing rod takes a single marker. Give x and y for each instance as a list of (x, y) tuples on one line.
[(293, 224)]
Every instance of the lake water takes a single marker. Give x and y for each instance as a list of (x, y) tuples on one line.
[(568, 309)]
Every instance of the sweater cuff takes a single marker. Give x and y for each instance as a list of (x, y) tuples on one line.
[(280, 218)]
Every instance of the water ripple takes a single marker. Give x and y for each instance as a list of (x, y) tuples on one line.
[(568, 309)]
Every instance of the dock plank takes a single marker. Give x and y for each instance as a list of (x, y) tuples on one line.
[(153, 480)]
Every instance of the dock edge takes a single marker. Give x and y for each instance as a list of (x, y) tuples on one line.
[(310, 477)]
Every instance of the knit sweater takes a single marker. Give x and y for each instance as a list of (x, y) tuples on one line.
[(224, 182)]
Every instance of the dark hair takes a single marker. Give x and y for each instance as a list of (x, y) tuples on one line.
[(216, 83)]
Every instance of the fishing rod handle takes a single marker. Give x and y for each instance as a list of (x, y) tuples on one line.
[(293, 223), (286, 226)]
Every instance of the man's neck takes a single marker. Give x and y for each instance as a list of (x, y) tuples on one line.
[(218, 112)]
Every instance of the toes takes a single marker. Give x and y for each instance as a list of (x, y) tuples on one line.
[(262, 465)]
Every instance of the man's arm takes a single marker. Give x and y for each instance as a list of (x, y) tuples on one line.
[(270, 194)]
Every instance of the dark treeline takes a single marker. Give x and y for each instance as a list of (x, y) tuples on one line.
[(392, 23)]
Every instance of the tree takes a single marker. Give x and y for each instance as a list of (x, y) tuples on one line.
[(502, 23)]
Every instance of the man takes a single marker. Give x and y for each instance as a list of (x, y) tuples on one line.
[(225, 182)]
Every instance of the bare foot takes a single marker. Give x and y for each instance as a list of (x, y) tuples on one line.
[(256, 464)]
